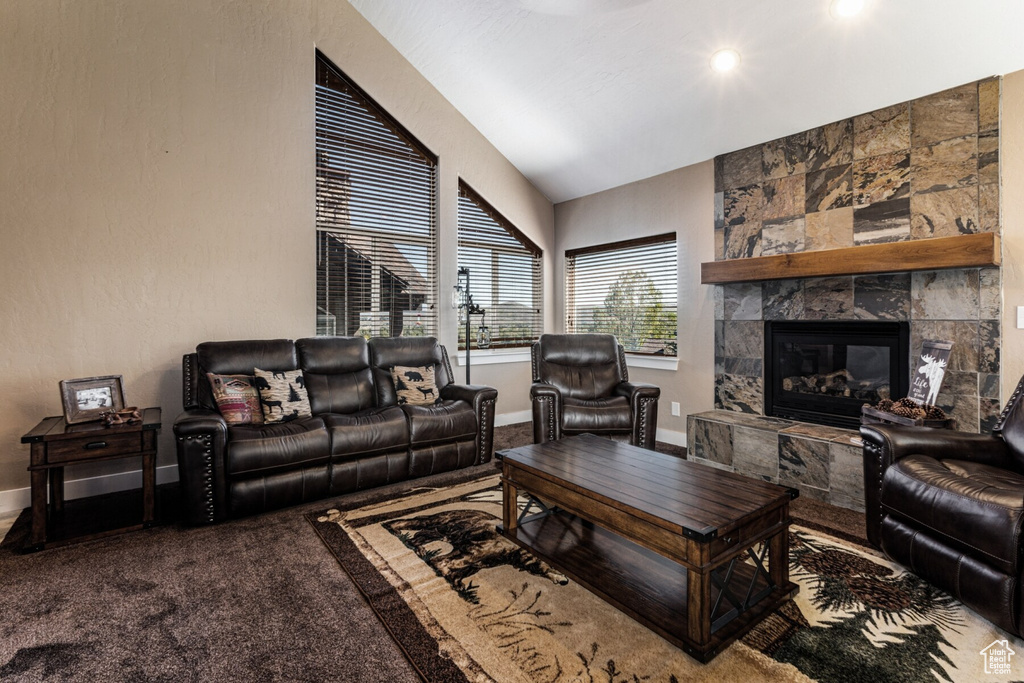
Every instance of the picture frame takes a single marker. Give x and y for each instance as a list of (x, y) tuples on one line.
[(87, 398)]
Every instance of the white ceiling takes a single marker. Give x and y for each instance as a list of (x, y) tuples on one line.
[(584, 95)]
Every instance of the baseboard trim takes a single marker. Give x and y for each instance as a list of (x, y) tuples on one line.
[(513, 418), (672, 437), (13, 500)]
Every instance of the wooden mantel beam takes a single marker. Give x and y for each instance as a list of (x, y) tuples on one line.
[(960, 251)]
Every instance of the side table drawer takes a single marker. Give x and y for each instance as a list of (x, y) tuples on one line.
[(97, 446)]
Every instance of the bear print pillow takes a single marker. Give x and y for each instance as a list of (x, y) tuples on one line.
[(415, 386)]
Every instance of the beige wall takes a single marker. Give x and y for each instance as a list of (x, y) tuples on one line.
[(681, 201), (1011, 156), (157, 189)]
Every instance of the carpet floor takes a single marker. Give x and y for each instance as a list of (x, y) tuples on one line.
[(252, 599)]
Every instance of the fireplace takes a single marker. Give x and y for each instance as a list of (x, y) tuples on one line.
[(824, 371)]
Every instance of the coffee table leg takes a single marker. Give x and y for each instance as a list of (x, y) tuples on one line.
[(778, 557), (698, 605), (148, 488), (509, 505)]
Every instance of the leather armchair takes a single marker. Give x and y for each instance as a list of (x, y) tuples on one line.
[(950, 507), (581, 385)]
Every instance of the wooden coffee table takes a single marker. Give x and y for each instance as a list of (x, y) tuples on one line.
[(696, 554)]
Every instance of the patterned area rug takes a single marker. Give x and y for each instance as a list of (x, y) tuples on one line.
[(465, 604)]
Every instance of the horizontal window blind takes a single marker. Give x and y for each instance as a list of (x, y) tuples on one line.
[(375, 217), (627, 289), (505, 273)]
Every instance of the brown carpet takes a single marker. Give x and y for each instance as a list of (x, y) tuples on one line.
[(252, 599)]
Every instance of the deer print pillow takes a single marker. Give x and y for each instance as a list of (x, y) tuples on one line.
[(283, 395), (415, 386)]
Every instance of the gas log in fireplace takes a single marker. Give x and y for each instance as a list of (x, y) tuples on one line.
[(824, 371)]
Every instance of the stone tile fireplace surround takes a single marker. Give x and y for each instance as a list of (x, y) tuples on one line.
[(916, 170)]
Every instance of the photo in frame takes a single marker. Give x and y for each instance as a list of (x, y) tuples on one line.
[(86, 399)]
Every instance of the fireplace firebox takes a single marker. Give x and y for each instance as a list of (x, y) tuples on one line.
[(824, 371)]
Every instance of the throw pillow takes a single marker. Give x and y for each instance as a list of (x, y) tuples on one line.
[(415, 386), (237, 398), (283, 395)]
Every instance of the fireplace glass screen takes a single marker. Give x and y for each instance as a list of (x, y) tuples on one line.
[(825, 371)]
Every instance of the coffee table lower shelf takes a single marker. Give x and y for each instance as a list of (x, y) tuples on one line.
[(648, 587)]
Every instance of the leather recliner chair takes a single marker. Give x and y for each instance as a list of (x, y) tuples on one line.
[(950, 507), (581, 385)]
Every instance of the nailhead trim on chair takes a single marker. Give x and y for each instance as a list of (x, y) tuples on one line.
[(1009, 405), (204, 442), (187, 367), (484, 407), (643, 419), (551, 415)]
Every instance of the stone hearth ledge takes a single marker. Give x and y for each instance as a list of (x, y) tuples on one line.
[(824, 463)]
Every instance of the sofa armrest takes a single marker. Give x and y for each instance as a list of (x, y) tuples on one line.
[(884, 444), (546, 401), (201, 437), (643, 402), (482, 398)]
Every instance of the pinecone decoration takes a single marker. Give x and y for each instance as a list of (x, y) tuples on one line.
[(902, 410), (934, 413), (906, 402), (885, 404)]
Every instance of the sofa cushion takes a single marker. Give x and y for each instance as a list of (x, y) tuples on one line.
[(369, 431), (274, 447), (415, 386), (237, 398), (240, 358), (283, 395), (337, 372), (976, 508), (387, 352), (584, 366), (440, 422), (611, 414)]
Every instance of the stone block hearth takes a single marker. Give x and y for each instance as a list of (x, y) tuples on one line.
[(824, 463)]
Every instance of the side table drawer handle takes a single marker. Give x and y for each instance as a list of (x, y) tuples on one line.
[(94, 445)]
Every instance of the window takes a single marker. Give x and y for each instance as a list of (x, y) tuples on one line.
[(375, 217), (505, 273), (627, 289)]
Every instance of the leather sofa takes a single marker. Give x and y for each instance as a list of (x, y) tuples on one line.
[(358, 436), (950, 507), (581, 385)]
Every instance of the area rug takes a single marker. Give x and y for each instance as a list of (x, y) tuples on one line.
[(465, 604)]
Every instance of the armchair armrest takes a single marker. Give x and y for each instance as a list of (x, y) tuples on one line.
[(643, 401), (884, 444), (201, 437), (546, 401), (482, 398)]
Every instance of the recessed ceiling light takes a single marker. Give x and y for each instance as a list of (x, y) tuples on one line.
[(843, 9), (725, 60)]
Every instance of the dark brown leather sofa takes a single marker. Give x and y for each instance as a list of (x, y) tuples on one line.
[(950, 507), (581, 385), (358, 437)]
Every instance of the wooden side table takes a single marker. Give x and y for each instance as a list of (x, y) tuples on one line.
[(56, 444)]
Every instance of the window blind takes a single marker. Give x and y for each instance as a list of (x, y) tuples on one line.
[(505, 273), (375, 217), (627, 289)]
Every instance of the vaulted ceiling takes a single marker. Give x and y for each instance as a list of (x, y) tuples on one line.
[(584, 95)]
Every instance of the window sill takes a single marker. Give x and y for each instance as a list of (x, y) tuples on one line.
[(494, 357), (655, 362)]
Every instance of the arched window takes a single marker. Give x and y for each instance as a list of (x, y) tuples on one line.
[(375, 217)]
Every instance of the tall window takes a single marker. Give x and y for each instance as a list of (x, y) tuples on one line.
[(505, 273), (627, 289), (375, 217)]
